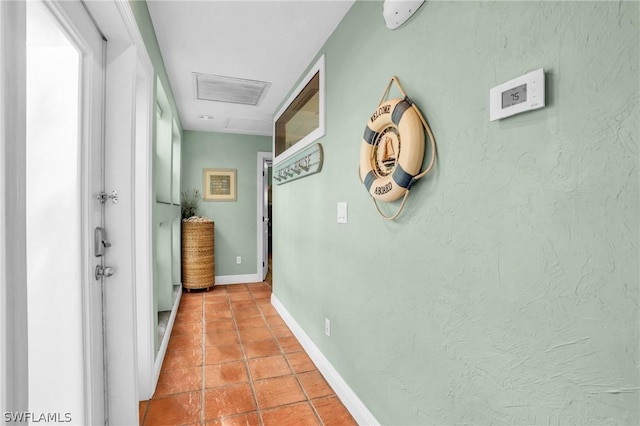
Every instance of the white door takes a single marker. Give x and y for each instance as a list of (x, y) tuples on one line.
[(65, 174)]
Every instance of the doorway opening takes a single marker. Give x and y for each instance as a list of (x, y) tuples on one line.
[(269, 277), (265, 220)]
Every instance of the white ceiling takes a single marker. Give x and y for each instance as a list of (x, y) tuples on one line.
[(272, 41)]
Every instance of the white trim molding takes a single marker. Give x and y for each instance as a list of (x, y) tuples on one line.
[(318, 68), (358, 410), (237, 279), (162, 350)]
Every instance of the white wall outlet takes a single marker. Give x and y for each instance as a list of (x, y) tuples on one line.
[(238, 260), (327, 327), (342, 212)]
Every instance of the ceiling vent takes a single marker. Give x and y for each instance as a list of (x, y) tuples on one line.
[(229, 89), (249, 126)]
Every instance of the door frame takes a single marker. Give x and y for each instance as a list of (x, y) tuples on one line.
[(128, 136), (262, 158), (143, 181)]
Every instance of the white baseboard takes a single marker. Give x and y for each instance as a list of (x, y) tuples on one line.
[(237, 279), (348, 397)]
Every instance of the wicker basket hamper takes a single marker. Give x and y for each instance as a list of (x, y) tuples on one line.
[(198, 249)]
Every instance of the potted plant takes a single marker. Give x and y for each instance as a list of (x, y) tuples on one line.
[(190, 201)]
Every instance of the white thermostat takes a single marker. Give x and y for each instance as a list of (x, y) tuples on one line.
[(518, 95)]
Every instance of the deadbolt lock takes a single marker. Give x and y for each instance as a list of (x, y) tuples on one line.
[(103, 197)]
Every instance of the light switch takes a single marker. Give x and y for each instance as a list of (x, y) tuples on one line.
[(342, 212)]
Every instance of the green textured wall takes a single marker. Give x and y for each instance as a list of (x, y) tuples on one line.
[(507, 292), (235, 222), (145, 25)]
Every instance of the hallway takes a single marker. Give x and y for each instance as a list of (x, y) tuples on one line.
[(232, 360)]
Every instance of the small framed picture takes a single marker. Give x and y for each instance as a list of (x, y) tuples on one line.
[(219, 185)]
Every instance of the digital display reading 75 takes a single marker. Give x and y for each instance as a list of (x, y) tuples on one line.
[(514, 96)]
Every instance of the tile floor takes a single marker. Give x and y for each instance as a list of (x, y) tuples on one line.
[(231, 360)]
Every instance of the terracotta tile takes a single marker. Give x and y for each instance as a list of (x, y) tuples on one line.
[(278, 391), (184, 342), (269, 311), (228, 400), (272, 319), (142, 410), (190, 307), (275, 320), (179, 380), (187, 316), (258, 286), (251, 322), (215, 315), (174, 410), (228, 373), (332, 412), (263, 302), (234, 288), (248, 419), (220, 324), (216, 305), (300, 362), (240, 295), (216, 292), (291, 415), (315, 385), (220, 337), (187, 328), (174, 360), (290, 344), (222, 353), (243, 304), (191, 298), (186, 295), (254, 334), (261, 348), (262, 294), (268, 367), (247, 312), (281, 331)]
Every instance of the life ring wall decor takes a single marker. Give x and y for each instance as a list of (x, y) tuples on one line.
[(392, 149)]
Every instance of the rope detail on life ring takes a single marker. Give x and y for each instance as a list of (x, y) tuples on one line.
[(392, 149)]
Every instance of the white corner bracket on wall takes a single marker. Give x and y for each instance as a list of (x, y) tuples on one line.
[(397, 12)]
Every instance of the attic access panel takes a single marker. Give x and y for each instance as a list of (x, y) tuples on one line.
[(234, 90)]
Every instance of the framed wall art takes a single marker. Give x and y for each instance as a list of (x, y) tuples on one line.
[(219, 185)]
